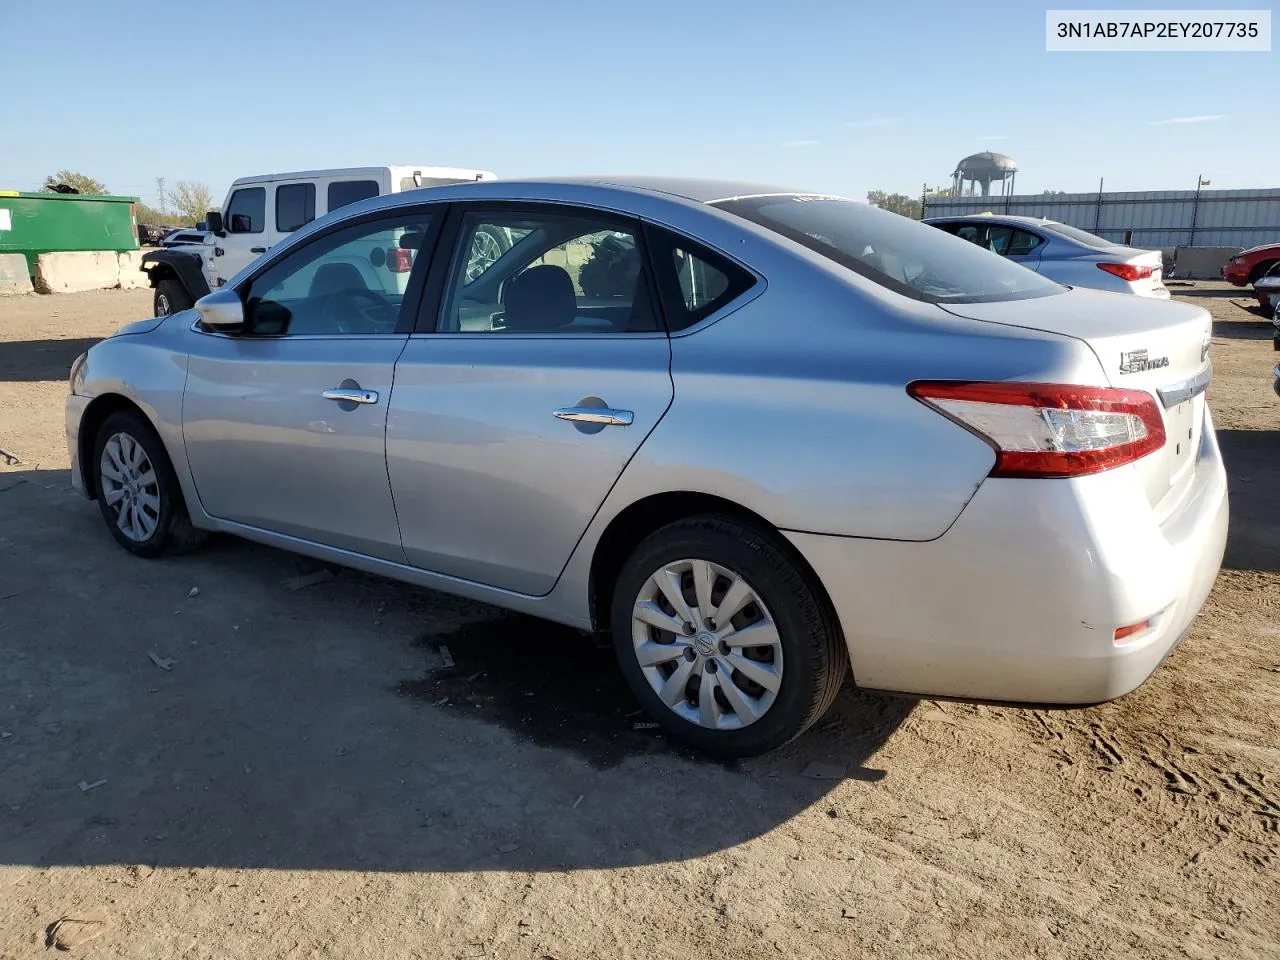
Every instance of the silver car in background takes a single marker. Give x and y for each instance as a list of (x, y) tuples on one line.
[(758, 435), (1063, 253)]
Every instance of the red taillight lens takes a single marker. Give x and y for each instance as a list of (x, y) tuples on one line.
[(1128, 271), (399, 260), (1050, 429), (1123, 633)]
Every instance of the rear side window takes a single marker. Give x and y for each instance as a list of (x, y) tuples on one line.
[(344, 192), (247, 210), (695, 282), (910, 258), (1023, 243), (295, 206)]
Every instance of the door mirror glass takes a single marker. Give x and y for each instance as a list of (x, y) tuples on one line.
[(213, 221), (221, 312)]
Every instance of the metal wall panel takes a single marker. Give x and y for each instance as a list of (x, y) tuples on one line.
[(1158, 218)]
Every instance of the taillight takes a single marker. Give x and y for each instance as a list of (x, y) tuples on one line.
[(399, 260), (1050, 429), (1128, 271)]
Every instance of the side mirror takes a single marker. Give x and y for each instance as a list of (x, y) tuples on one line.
[(214, 221), (222, 311)]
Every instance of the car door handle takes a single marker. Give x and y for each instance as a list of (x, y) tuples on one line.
[(257, 249), (602, 415), (351, 395)]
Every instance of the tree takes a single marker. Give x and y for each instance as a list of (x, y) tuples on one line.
[(898, 203), (81, 182), (191, 199), (150, 215)]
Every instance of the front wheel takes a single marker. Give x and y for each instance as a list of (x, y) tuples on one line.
[(137, 490), (724, 639), (170, 297)]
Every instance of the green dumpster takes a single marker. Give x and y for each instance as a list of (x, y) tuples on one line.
[(36, 223)]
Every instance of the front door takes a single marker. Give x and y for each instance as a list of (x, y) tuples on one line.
[(546, 368), (285, 425), (245, 224)]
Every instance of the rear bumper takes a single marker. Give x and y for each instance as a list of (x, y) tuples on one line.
[(1020, 599), (76, 407)]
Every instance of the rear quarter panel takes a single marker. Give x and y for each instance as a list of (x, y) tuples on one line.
[(795, 407)]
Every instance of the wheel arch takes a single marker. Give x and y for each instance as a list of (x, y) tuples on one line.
[(95, 415), (641, 518), (1260, 269)]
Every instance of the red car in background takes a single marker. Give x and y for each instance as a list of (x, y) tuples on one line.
[(1248, 265)]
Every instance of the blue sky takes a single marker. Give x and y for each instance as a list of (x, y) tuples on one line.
[(834, 96)]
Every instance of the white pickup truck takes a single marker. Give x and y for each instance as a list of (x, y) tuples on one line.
[(262, 210)]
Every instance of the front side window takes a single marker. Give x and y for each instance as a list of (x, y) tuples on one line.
[(351, 281), (295, 206), (247, 210), (344, 192), (547, 273), (905, 256)]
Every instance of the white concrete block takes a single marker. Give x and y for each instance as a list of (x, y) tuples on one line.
[(131, 275), (73, 271), (14, 278)]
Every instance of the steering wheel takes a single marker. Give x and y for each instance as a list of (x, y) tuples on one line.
[(356, 311)]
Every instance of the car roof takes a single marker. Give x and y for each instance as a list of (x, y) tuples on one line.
[(1006, 218), (690, 188)]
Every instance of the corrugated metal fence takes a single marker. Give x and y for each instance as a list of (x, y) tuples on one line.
[(1156, 218)]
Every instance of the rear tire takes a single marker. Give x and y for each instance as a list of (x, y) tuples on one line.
[(137, 490), (171, 297), (761, 694)]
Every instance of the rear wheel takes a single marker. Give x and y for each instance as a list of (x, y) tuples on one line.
[(170, 297), (137, 490), (724, 639)]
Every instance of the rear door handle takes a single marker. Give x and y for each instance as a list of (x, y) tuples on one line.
[(257, 249), (607, 416), (351, 395)]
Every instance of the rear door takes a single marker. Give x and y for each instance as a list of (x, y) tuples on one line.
[(525, 392), (293, 207)]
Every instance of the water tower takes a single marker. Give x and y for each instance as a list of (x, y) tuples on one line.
[(980, 171)]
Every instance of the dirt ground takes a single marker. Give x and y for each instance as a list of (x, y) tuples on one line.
[(307, 779)]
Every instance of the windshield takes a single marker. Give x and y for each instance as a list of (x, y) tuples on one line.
[(906, 256)]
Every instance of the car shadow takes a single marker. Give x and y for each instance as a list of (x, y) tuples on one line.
[(30, 360), (1251, 458), (1243, 329), (215, 710)]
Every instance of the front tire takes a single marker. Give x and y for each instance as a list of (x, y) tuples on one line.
[(170, 297), (137, 490), (724, 638)]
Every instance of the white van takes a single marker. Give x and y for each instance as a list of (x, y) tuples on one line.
[(263, 210)]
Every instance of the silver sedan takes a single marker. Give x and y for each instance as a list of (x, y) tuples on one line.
[(1063, 253), (758, 435)]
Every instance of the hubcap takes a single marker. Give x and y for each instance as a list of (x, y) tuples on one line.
[(707, 644), (485, 250), (130, 487)]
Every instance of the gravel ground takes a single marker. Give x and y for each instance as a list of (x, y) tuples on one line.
[(307, 780)]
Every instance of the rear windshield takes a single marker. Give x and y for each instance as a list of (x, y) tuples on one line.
[(904, 255), (1080, 236)]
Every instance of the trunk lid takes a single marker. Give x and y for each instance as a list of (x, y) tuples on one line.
[(1156, 346)]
